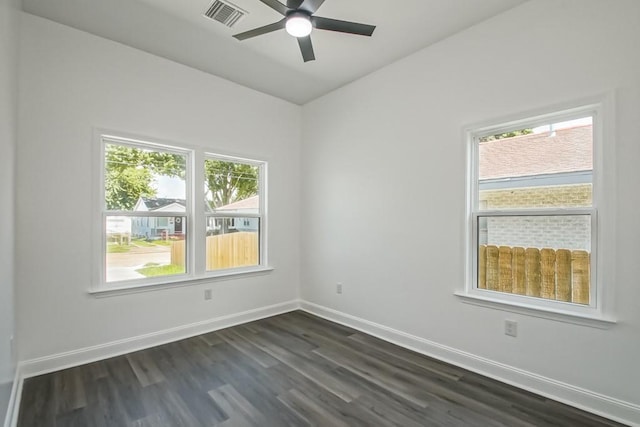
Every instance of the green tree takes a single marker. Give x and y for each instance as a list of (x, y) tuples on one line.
[(130, 171), (507, 135), (228, 182)]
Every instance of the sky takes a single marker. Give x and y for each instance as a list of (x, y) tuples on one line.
[(564, 125), (170, 187)]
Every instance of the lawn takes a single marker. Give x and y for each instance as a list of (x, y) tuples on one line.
[(152, 269), (115, 248)]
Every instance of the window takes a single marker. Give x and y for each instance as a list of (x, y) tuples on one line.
[(532, 216), (233, 212), (155, 230)]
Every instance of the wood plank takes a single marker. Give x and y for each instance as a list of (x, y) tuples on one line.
[(505, 268), (310, 410), (580, 277), (379, 374), (235, 405), (145, 368), (239, 343), (548, 273), (533, 276), (482, 266), (320, 375), (563, 275), (69, 387), (519, 284), (493, 268)]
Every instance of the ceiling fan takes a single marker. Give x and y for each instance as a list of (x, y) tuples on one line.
[(299, 20)]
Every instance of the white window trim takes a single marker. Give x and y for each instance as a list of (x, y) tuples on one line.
[(262, 197), (194, 213), (599, 312)]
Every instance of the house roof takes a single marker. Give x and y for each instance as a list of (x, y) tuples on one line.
[(561, 151), (154, 204), (248, 203)]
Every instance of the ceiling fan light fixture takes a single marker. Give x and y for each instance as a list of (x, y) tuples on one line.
[(298, 24)]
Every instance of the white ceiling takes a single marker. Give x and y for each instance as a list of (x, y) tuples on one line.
[(272, 63)]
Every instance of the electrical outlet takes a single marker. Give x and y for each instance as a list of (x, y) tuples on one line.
[(511, 328), (207, 294), (339, 288)]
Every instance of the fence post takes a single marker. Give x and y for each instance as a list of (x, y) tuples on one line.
[(482, 266), (563, 275), (177, 253), (506, 270), (548, 273), (532, 277), (580, 277), (518, 271), (493, 278)]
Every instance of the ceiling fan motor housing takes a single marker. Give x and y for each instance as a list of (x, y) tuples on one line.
[(299, 23)]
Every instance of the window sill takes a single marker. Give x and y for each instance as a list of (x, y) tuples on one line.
[(599, 322), (129, 288)]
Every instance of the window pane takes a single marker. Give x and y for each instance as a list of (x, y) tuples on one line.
[(232, 242), (546, 166), (139, 247), (231, 187), (140, 179), (538, 256)]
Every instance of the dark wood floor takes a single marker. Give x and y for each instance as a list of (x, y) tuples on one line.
[(289, 370)]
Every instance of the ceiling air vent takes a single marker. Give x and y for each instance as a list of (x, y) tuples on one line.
[(225, 12)]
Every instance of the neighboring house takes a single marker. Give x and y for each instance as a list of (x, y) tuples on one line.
[(158, 227), (119, 229), (521, 172), (250, 205)]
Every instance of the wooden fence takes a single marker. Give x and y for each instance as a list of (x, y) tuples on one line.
[(561, 274), (223, 251)]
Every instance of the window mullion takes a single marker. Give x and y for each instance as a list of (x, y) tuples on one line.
[(199, 222)]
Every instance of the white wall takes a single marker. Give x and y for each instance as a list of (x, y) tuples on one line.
[(72, 82), (384, 186), (8, 105)]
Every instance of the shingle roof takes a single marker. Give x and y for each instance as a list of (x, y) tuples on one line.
[(248, 203), (565, 150), (159, 203)]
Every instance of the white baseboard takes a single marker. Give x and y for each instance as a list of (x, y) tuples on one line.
[(56, 362), (11, 418), (605, 406)]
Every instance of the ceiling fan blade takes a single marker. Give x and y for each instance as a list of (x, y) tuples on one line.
[(261, 30), (342, 26), (277, 6), (294, 4), (311, 5), (306, 48)]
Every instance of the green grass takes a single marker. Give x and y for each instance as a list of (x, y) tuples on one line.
[(115, 248), (152, 270), (162, 242)]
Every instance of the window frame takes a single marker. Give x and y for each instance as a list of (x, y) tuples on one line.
[(262, 214), (521, 303), (195, 231)]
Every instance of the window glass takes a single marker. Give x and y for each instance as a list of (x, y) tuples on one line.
[(233, 213), (540, 167), (538, 256), (145, 201), (533, 211), (143, 179)]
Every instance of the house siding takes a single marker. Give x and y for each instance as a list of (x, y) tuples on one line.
[(563, 232)]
